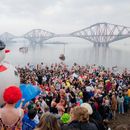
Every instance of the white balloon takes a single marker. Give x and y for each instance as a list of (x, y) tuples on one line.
[(8, 78), (8, 74)]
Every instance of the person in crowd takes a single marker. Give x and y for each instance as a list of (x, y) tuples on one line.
[(48, 122), (120, 100), (48, 99), (72, 97), (53, 108), (126, 102), (64, 87), (80, 120), (65, 118), (10, 117), (94, 115), (28, 121), (114, 104), (107, 115)]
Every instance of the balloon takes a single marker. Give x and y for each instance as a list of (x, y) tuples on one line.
[(8, 76), (29, 92)]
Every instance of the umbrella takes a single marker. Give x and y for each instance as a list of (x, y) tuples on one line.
[(29, 92)]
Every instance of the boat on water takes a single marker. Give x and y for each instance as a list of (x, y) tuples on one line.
[(62, 57), (23, 49)]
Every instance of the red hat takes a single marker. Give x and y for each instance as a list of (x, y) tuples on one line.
[(12, 94)]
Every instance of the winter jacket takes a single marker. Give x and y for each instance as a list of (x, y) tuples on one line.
[(75, 125)]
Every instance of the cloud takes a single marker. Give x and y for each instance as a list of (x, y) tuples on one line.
[(60, 16)]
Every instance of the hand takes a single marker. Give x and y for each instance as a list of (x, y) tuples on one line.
[(22, 100)]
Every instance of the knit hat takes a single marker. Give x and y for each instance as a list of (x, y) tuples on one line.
[(12, 94), (81, 94), (65, 118)]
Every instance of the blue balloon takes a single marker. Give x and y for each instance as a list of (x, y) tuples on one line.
[(29, 92)]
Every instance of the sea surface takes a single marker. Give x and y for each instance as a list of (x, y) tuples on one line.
[(76, 50)]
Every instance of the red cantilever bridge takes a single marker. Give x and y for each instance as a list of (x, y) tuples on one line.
[(101, 34)]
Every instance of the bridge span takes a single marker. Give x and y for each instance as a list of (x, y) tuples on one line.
[(101, 34)]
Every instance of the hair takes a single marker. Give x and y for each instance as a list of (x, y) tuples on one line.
[(48, 122), (12, 95), (63, 101), (123, 127), (32, 113), (62, 92), (80, 113), (46, 109), (88, 107)]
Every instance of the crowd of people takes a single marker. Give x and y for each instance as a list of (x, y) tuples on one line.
[(71, 98)]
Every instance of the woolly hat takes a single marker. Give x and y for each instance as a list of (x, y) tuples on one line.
[(12, 94), (65, 118), (88, 107), (80, 93)]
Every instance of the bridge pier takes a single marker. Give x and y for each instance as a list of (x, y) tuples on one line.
[(101, 44)]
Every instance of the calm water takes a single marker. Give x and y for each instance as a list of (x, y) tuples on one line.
[(75, 50)]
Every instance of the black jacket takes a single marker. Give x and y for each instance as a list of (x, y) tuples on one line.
[(75, 125)]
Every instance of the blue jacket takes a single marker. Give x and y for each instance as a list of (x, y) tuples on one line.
[(28, 124)]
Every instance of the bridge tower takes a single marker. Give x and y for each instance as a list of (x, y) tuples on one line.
[(102, 34), (6, 37), (38, 35)]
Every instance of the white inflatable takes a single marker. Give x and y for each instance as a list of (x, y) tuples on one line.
[(8, 74)]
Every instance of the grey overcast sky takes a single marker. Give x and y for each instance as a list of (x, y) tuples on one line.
[(60, 16)]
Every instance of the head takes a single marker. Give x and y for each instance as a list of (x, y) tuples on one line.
[(120, 94), (46, 109), (65, 118), (88, 107), (81, 94), (53, 104), (48, 122), (32, 113), (63, 102), (12, 95), (80, 114), (62, 93)]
